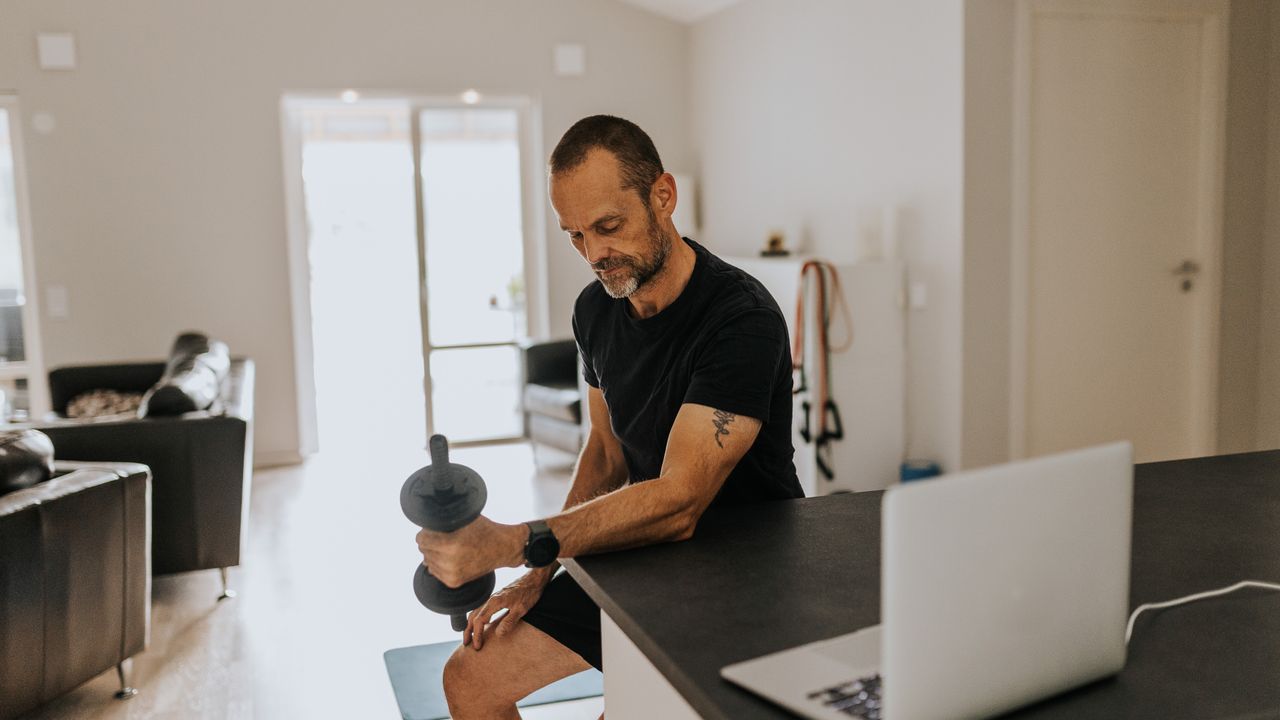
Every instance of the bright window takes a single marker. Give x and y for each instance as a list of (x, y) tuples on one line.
[(21, 381)]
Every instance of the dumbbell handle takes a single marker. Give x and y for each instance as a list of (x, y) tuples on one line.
[(447, 482), (439, 450)]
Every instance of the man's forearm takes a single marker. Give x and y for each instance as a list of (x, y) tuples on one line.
[(644, 513), (593, 476)]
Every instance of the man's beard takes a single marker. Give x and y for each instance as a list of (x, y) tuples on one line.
[(636, 274)]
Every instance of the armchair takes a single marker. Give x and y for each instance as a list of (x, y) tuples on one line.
[(551, 396), (201, 462)]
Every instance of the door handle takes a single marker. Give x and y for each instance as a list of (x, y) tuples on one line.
[(1187, 271)]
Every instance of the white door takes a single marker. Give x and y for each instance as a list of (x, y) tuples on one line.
[(1116, 269)]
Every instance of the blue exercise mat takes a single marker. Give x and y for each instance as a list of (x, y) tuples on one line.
[(416, 674)]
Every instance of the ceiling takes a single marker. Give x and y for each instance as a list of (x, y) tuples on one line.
[(685, 11)]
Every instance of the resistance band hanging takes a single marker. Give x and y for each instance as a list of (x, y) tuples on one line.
[(829, 425)]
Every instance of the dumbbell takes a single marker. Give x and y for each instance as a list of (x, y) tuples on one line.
[(444, 497)]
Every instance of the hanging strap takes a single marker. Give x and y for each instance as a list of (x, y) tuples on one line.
[(829, 424)]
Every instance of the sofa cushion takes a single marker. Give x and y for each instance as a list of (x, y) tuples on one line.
[(557, 401), (564, 435), (104, 403)]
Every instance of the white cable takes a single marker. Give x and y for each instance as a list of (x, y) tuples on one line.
[(1128, 631)]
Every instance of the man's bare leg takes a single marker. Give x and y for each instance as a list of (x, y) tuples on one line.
[(487, 683)]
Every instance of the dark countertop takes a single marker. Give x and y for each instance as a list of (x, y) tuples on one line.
[(761, 578)]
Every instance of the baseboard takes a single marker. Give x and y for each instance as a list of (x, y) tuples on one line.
[(275, 458)]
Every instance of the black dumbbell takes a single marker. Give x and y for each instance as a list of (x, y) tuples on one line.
[(444, 497)]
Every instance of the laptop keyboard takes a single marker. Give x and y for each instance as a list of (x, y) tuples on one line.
[(856, 698)]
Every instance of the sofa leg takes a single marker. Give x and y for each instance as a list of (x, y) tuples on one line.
[(125, 692), (227, 593)]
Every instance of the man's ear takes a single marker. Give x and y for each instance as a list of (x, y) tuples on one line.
[(662, 197)]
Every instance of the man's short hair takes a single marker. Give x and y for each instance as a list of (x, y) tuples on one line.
[(637, 157)]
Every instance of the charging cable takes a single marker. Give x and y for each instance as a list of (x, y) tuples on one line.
[(1128, 631)]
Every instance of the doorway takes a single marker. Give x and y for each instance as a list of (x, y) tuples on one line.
[(408, 255)]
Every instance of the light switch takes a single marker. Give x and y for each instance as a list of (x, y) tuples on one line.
[(571, 59), (57, 51), (57, 302)]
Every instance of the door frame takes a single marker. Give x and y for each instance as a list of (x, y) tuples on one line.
[(1213, 17), (297, 232)]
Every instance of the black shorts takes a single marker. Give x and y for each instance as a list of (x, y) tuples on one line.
[(568, 614)]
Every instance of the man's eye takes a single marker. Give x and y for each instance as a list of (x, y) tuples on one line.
[(575, 236), (608, 230)]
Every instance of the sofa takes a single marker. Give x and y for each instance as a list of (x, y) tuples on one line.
[(551, 396), (75, 583), (201, 462)]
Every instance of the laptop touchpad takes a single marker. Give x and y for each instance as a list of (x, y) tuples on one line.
[(857, 650)]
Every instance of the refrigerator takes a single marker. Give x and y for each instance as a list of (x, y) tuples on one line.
[(866, 380)]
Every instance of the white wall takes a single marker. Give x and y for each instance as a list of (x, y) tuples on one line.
[(1245, 194), (158, 200), (1249, 357), (988, 188), (1268, 429), (819, 113)]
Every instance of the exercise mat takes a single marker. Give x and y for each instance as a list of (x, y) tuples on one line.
[(416, 674)]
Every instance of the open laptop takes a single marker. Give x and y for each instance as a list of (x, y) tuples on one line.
[(999, 587)]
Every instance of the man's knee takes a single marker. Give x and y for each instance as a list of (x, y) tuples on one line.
[(461, 681), (468, 686)]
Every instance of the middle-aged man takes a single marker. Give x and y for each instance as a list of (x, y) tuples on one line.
[(689, 370)]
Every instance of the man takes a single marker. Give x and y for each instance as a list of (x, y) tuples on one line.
[(689, 370)]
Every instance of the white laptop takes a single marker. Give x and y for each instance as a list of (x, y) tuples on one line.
[(999, 587)]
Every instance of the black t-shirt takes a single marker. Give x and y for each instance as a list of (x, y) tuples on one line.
[(722, 343)]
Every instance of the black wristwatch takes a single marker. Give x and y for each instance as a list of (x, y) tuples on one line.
[(542, 548)]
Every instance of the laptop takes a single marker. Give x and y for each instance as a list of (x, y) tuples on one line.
[(999, 587)]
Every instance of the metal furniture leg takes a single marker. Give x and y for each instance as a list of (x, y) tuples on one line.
[(125, 692), (227, 593)]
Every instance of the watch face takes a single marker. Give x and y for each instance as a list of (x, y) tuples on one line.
[(543, 550)]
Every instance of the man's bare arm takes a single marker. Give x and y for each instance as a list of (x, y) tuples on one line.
[(704, 446), (600, 469)]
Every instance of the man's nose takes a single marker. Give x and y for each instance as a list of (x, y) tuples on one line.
[(593, 249)]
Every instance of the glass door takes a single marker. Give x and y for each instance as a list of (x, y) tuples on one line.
[(357, 180), (22, 386), (471, 264)]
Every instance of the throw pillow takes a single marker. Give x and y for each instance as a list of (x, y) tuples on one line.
[(26, 458), (103, 403)]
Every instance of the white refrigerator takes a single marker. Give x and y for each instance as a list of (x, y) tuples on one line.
[(867, 380)]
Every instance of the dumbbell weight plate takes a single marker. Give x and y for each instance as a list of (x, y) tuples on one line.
[(440, 598)]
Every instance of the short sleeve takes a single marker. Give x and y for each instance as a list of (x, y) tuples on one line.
[(584, 355), (737, 368)]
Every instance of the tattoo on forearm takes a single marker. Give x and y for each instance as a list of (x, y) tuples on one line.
[(722, 424)]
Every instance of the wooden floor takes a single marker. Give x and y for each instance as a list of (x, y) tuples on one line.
[(324, 590)]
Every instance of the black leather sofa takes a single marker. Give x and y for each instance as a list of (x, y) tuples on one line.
[(201, 462), (551, 397), (75, 584)]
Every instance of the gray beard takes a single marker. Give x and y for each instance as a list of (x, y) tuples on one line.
[(640, 275)]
